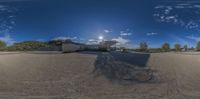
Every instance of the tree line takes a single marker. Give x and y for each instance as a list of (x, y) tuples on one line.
[(166, 47), (35, 45), (31, 45)]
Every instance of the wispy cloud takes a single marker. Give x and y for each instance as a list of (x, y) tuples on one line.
[(181, 1), (178, 12), (64, 38), (107, 31), (93, 41), (122, 33), (151, 34), (7, 18), (9, 41), (121, 41), (196, 38), (13, 0)]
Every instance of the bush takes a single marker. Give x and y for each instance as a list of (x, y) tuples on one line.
[(177, 47), (59, 42), (198, 46), (185, 47), (2, 45), (143, 46), (27, 46), (166, 47)]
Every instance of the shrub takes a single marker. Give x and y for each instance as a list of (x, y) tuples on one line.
[(185, 47), (143, 46), (166, 47), (177, 47), (198, 46), (59, 42), (27, 46), (2, 45)]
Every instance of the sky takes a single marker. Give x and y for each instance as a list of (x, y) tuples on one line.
[(127, 21)]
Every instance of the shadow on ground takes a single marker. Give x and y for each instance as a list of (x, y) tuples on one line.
[(136, 59), (117, 66)]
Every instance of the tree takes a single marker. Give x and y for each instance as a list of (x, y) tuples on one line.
[(198, 46), (143, 46), (27, 46), (166, 47), (185, 47), (177, 47), (2, 44), (59, 42)]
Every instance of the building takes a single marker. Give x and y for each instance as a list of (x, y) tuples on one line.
[(93, 47), (73, 47)]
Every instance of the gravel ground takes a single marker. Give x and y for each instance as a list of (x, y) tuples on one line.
[(52, 75)]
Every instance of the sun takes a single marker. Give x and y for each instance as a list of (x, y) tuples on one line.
[(101, 37)]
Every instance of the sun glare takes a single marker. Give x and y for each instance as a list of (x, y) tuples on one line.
[(101, 37)]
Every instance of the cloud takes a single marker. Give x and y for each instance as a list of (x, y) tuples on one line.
[(121, 41), (13, 0), (7, 18), (107, 31), (192, 25), (177, 13), (197, 6), (64, 38), (82, 39), (122, 33), (151, 34), (184, 2), (7, 9), (93, 41), (194, 38), (9, 41)]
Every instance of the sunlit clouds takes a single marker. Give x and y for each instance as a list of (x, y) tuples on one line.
[(196, 38), (7, 39), (121, 41)]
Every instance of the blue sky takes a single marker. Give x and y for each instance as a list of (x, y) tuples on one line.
[(127, 21)]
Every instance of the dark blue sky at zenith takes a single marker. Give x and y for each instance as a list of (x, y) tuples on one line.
[(127, 21)]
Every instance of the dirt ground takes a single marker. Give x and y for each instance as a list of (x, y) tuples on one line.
[(53, 75)]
